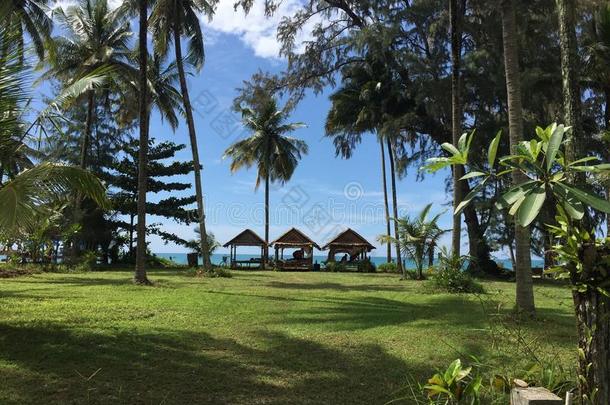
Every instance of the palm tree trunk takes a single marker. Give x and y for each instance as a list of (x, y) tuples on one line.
[(140, 272), (523, 260), (456, 120), (571, 89), (385, 202), (395, 206), (131, 218), (205, 249), (266, 250), (84, 151), (607, 124)]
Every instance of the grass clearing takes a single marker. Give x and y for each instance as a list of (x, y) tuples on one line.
[(256, 338)]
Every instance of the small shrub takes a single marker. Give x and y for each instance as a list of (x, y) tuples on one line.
[(411, 274), (213, 273), (86, 261), (219, 272), (366, 266), (335, 267), (387, 268), (450, 276)]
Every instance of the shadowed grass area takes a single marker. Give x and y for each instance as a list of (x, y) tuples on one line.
[(256, 338)]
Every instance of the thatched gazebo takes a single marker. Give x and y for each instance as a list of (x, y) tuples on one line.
[(351, 243), (301, 259), (246, 238)]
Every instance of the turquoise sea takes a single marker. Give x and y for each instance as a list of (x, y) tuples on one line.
[(217, 258)]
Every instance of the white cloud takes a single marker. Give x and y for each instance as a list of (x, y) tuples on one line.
[(256, 30)]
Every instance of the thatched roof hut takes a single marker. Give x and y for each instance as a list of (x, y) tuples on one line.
[(246, 238), (351, 243), (294, 239)]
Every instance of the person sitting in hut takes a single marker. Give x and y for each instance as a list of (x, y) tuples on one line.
[(297, 255), (344, 258)]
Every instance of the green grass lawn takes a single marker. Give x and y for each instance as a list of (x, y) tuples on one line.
[(256, 338)]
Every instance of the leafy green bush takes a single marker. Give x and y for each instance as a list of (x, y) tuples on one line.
[(387, 268), (213, 273), (366, 266), (450, 275)]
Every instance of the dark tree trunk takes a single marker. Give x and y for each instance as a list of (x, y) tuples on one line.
[(478, 247), (140, 272), (395, 206), (131, 218), (569, 75), (386, 203), (593, 324), (523, 260), (456, 118), (607, 123), (205, 249)]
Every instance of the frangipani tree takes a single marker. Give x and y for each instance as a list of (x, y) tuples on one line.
[(585, 262)]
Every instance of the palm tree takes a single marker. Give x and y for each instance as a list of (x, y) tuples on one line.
[(456, 118), (176, 19), (357, 108), (95, 42), (31, 193), (419, 236), (523, 270), (275, 154), (31, 189), (31, 16)]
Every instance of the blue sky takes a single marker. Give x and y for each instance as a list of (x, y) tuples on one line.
[(326, 194)]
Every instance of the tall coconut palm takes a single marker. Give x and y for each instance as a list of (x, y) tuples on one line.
[(456, 118), (275, 154), (171, 21), (523, 270), (31, 16), (358, 107), (95, 39)]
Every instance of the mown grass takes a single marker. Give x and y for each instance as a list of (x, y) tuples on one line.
[(256, 338)]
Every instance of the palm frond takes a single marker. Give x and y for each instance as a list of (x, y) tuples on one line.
[(32, 190)]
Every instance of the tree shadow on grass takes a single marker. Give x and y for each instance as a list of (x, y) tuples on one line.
[(369, 287), (55, 365)]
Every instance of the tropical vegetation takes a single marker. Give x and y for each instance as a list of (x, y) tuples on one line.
[(431, 84)]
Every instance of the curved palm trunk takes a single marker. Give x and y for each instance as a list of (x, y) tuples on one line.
[(456, 120), (523, 261), (266, 250), (385, 202), (395, 205), (140, 272), (205, 250), (607, 123)]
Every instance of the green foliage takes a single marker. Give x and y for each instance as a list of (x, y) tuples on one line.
[(548, 174), (418, 236), (585, 261), (214, 272), (335, 267), (450, 275), (33, 191), (455, 385), (387, 268), (275, 154), (366, 266)]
